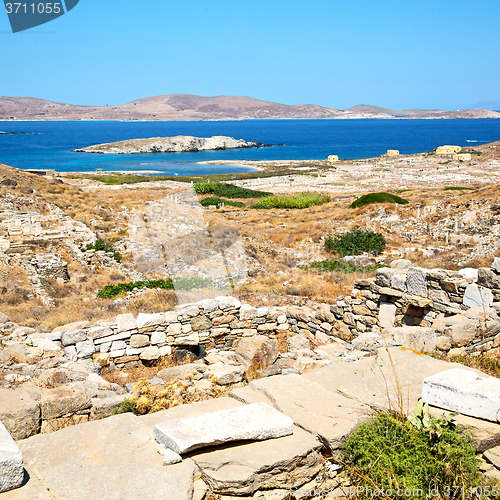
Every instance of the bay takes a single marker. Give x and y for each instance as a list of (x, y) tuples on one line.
[(48, 145)]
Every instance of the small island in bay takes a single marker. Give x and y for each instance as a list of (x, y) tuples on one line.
[(178, 144)]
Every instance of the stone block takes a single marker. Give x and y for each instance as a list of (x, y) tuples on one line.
[(200, 323), (226, 375), (148, 320), (257, 421), (137, 341), (112, 338), (247, 312), (476, 296), (171, 316), (158, 338), (118, 345), (416, 281), (85, 349), (188, 340), (226, 302), (401, 264), (78, 325), (464, 391), (209, 305), (439, 296), (387, 314), (104, 407), (398, 281), (60, 402), (11, 462), (415, 337), (98, 332), (70, 353), (126, 322), (461, 331), (384, 276), (151, 353), (72, 337), (496, 265), (488, 278), (258, 355), (174, 329)]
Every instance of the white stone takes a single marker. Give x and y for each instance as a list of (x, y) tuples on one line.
[(387, 315), (247, 312), (416, 281), (98, 332), (192, 339), (158, 338), (469, 273), (126, 322), (85, 349), (70, 353), (477, 296), (171, 316), (146, 320), (416, 338), (209, 305), (112, 338), (105, 347), (118, 345), (117, 354), (170, 457), (262, 312), (11, 462), (186, 328), (398, 281), (464, 391), (174, 329), (496, 265), (166, 350), (257, 421), (226, 375), (225, 302), (133, 352), (282, 328)]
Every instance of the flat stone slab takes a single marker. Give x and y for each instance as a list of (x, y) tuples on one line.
[(464, 391), (257, 421), (11, 462), (242, 469), (324, 413), (112, 459)]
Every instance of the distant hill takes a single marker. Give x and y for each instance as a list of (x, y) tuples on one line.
[(193, 107)]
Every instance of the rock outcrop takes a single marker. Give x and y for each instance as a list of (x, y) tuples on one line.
[(178, 144)]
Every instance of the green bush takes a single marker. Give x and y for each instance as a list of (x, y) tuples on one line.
[(100, 245), (356, 242), (368, 199), (213, 200), (126, 407), (227, 190), (300, 200), (344, 266), (390, 454), (457, 188)]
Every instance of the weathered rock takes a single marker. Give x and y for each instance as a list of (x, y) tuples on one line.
[(226, 375), (258, 355), (387, 314), (200, 323), (297, 342), (137, 341), (476, 296), (19, 413), (462, 331), (85, 349), (63, 401), (149, 320), (276, 463), (104, 407), (488, 278), (257, 421), (182, 371), (11, 462), (496, 265), (384, 276), (247, 312), (464, 391), (326, 414), (151, 353), (416, 281), (84, 460), (188, 340), (78, 325), (401, 264), (72, 337), (415, 337)]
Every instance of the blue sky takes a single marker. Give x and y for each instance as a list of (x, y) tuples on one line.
[(396, 54)]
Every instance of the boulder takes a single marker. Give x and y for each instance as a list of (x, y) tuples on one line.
[(151, 353), (19, 413), (258, 355), (226, 375), (401, 264), (488, 278), (256, 422), (11, 462), (461, 331)]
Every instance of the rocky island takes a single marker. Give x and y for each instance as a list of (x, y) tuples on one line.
[(178, 144)]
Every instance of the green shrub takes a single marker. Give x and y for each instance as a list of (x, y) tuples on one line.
[(300, 200), (356, 242), (227, 190), (390, 454), (368, 199), (100, 245), (344, 266), (457, 188), (213, 200), (126, 407)]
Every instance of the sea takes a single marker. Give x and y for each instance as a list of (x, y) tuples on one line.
[(49, 145)]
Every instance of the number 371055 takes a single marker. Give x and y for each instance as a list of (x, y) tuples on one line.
[(33, 8)]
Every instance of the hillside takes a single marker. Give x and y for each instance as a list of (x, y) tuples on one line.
[(192, 107)]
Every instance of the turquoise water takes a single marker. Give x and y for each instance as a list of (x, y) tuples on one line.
[(49, 144)]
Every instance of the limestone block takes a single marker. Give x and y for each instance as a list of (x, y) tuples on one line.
[(200, 323), (398, 281), (165, 350), (112, 338), (118, 345), (158, 338), (258, 355), (187, 340), (72, 337), (59, 402), (117, 354), (257, 421), (443, 343), (151, 353), (209, 305), (387, 314), (488, 278), (476, 296), (225, 302), (147, 320), (85, 349), (439, 296), (11, 462), (171, 316), (416, 281), (247, 312), (384, 276), (462, 332), (469, 274), (79, 325), (415, 337), (464, 391), (70, 353), (104, 407), (126, 322), (98, 332), (401, 264), (226, 375), (182, 371), (137, 341), (174, 329)]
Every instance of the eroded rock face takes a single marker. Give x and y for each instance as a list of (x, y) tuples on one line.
[(20, 413), (180, 143)]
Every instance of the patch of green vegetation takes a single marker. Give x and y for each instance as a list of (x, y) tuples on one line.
[(100, 245), (112, 291), (429, 153), (126, 407), (444, 162), (368, 199), (344, 266), (227, 190), (403, 191), (218, 202), (299, 200), (356, 242), (388, 453), (474, 152), (457, 188)]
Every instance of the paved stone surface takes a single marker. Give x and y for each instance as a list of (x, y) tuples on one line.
[(30, 489), (464, 391), (326, 414), (11, 462), (242, 469), (257, 421), (113, 459)]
